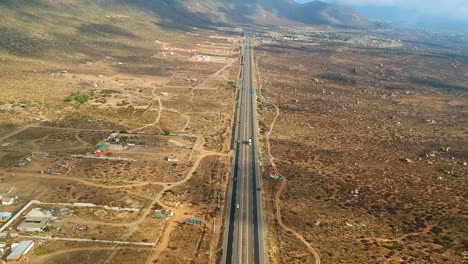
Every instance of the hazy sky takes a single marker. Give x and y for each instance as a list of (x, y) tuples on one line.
[(458, 8)]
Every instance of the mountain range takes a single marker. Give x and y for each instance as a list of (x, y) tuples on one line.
[(260, 12), (29, 27), (198, 12)]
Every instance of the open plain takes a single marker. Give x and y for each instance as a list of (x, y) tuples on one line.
[(117, 120), (371, 143), (126, 128)]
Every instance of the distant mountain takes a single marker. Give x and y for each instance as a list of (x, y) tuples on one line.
[(412, 17), (198, 12), (321, 13), (262, 12)]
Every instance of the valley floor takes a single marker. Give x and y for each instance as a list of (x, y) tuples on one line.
[(372, 154), (120, 149)]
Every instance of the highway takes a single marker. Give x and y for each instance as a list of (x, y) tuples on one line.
[(244, 240)]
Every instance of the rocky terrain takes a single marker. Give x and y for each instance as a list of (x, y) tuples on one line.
[(371, 144)]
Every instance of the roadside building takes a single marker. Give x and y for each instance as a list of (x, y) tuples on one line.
[(5, 216), (101, 150), (20, 250), (113, 137), (8, 200), (172, 158), (193, 221), (34, 224), (275, 175), (159, 214)]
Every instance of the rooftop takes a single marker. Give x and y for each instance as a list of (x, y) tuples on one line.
[(101, 147), (34, 222), (19, 250)]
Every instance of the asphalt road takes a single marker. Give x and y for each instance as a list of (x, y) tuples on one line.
[(244, 222)]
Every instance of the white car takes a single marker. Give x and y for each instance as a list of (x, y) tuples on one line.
[(237, 206), (250, 141)]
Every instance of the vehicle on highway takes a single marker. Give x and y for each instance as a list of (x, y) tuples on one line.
[(237, 206), (250, 141)]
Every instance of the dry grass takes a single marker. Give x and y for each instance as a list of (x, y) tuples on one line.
[(367, 126)]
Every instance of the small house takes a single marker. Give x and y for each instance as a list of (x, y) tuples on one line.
[(172, 158), (101, 150), (275, 175), (193, 221), (114, 137), (5, 216), (159, 214), (8, 200)]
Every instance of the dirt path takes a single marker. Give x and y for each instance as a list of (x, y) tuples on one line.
[(160, 111), (163, 243), (43, 259), (92, 184), (399, 239), (96, 222), (224, 68), (36, 147), (187, 123), (89, 183), (70, 129), (150, 106), (161, 107), (280, 191), (15, 132), (280, 222), (272, 159), (201, 153)]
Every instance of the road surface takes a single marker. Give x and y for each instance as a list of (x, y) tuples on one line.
[(244, 223)]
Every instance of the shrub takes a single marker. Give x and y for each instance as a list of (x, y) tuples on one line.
[(78, 97)]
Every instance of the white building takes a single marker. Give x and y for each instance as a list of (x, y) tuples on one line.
[(19, 250), (172, 159), (8, 201), (33, 224)]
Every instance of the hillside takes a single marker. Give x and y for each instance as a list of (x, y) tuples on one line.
[(262, 12), (33, 27), (73, 71)]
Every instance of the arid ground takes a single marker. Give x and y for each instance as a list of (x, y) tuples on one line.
[(168, 92), (372, 144)]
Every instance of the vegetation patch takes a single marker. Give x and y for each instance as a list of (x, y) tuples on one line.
[(77, 97), (19, 42), (106, 30)]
